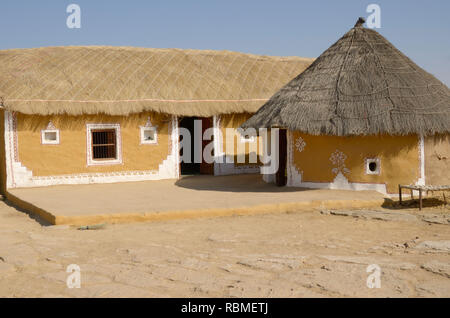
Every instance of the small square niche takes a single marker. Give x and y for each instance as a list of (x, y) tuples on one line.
[(247, 138), (50, 137), (373, 166), (149, 135)]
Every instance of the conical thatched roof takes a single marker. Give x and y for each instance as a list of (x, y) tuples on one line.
[(124, 80), (361, 85)]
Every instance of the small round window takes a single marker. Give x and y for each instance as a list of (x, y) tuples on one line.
[(373, 166)]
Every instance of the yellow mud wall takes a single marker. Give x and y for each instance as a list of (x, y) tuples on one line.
[(399, 158), (230, 145), (437, 160), (2, 153), (69, 157)]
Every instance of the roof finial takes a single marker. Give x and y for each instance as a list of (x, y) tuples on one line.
[(360, 22)]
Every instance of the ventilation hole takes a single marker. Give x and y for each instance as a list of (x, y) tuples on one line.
[(373, 166)]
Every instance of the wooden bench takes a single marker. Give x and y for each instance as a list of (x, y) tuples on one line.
[(420, 188)]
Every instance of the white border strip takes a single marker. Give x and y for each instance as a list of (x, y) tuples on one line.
[(9, 149), (421, 180)]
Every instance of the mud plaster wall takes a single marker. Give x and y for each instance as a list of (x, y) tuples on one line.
[(437, 160), (230, 145), (399, 158), (69, 157)]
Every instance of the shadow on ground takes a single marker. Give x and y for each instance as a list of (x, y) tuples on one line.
[(413, 203), (32, 216), (247, 183)]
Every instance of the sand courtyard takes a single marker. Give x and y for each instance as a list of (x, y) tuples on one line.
[(296, 254), (265, 242)]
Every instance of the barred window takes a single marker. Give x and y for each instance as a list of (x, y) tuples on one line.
[(104, 144)]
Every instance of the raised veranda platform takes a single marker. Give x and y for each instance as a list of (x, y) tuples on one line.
[(191, 196)]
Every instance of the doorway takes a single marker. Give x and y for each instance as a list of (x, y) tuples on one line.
[(281, 175), (192, 167)]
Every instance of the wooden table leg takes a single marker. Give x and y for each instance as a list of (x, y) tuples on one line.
[(400, 194), (420, 199), (412, 194)]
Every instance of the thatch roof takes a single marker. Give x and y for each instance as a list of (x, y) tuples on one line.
[(361, 85), (123, 80)]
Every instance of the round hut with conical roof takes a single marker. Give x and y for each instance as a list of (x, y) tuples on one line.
[(362, 116)]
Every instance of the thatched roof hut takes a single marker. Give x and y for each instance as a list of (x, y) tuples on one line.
[(361, 85), (124, 80)]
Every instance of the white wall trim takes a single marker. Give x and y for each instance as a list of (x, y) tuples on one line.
[(341, 183), (421, 180), (174, 149), (9, 148), (294, 177), (218, 151), (266, 141)]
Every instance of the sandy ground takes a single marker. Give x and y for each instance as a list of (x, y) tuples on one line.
[(302, 254)]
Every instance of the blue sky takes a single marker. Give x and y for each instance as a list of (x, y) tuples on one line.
[(421, 29)]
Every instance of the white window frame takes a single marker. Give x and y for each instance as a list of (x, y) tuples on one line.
[(103, 162), (142, 135), (49, 142), (378, 163)]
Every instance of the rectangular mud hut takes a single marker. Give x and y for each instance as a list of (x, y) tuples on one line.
[(362, 116), (78, 115)]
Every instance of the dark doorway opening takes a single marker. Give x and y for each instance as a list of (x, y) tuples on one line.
[(281, 175), (189, 167), (192, 167)]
